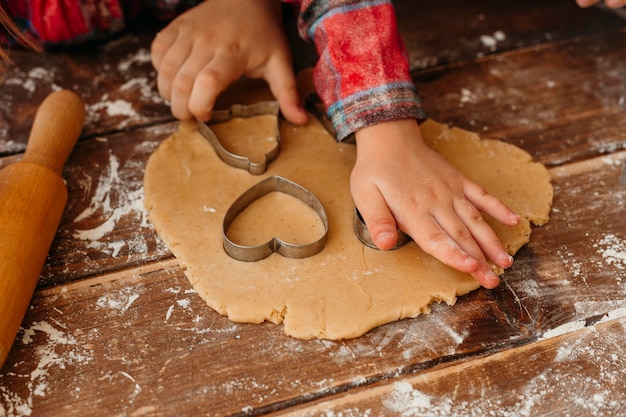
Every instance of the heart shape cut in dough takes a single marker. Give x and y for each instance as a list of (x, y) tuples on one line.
[(276, 186)]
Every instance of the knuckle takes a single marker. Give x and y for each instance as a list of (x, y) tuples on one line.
[(160, 44), (168, 69), (462, 236), (379, 223), (439, 245), (209, 80), (475, 217), (469, 213), (183, 83), (157, 47)]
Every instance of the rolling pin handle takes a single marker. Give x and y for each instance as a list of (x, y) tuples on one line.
[(56, 128)]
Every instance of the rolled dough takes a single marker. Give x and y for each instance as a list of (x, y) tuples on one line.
[(347, 288)]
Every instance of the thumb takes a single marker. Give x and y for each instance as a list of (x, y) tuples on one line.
[(377, 217)]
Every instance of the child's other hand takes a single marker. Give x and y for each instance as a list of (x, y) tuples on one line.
[(610, 3), (398, 181), (208, 47)]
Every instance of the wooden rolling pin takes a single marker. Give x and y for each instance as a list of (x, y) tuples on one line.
[(32, 200)]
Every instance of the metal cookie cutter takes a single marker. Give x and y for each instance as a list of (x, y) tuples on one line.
[(364, 235), (238, 110), (289, 250)]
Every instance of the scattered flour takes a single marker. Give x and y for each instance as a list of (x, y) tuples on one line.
[(491, 41), (615, 314), (117, 107), (409, 402), (572, 264), (142, 56), (591, 400), (593, 392), (53, 353), (145, 87), (114, 198), (9, 146), (350, 412), (564, 329), (60, 350), (374, 344), (467, 96), (31, 79), (120, 300), (613, 251)]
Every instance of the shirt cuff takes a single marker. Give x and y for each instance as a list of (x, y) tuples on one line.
[(377, 105)]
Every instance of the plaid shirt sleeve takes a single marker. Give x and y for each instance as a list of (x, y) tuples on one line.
[(362, 75)]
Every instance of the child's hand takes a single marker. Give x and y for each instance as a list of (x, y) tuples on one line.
[(610, 3), (398, 181), (208, 47)]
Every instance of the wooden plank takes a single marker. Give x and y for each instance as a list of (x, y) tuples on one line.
[(545, 97), (142, 341), (109, 172), (116, 80), (561, 102), (105, 226), (578, 373), (136, 322), (439, 33), (574, 267)]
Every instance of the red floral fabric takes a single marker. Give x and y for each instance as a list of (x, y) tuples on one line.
[(60, 22)]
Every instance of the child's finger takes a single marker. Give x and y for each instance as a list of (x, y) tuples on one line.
[(160, 45), (212, 79), (169, 66), (485, 276), (437, 242), (445, 240), (184, 83), (282, 82), (449, 232), (377, 217), (482, 234), (489, 204), (449, 240)]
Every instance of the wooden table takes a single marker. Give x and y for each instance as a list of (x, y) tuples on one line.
[(115, 328)]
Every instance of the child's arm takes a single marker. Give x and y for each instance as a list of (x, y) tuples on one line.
[(363, 78), (398, 181), (208, 47)]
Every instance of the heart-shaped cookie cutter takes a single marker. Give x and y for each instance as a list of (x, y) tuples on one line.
[(364, 235), (289, 250), (244, 111)]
